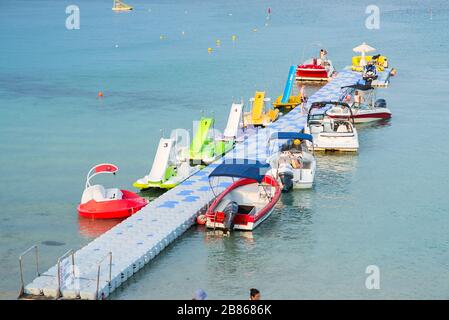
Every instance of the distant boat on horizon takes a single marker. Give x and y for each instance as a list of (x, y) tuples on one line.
[(120, 6)]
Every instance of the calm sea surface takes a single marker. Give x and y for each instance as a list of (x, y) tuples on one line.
[(387, 206)]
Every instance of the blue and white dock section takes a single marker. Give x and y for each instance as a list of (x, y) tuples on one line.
[(97, 269)]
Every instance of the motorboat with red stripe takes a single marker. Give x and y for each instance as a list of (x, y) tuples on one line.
[(364, 105), (245, 203)]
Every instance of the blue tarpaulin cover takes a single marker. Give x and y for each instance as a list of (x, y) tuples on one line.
[(291, 135), (241, 168)]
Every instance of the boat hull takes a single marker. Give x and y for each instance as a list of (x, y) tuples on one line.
[(334, 142), (113, 209), (144, 184), (302, 178), (311, 72), (368, 116)]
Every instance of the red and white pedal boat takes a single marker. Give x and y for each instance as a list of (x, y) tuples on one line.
[(100, 203), (246, 202), (315, 69)]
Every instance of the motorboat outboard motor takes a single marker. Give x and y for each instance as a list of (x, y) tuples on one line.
[(229, 213), (380, 103), (286, 176)]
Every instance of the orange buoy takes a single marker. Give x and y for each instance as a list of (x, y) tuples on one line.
[(201, 219), (100, 94)]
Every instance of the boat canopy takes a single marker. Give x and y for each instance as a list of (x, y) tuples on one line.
[(360, 86), (291, 135), (242, 168), (106, 167), (99, 169)]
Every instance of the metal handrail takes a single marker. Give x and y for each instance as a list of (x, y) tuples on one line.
[(65, 255), (22, 283), (99, 270)]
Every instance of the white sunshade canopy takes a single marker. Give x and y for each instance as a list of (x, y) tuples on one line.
[(363, 48)]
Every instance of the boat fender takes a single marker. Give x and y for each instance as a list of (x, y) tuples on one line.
[(201, 219)]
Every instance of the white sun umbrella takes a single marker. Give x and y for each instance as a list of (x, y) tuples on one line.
[(363, 48)]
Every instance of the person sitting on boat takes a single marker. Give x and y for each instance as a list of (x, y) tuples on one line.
[(358, 99)]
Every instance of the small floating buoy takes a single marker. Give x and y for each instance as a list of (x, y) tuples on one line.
[(100, 94), (209, 50), (233, 38), (201, 219)]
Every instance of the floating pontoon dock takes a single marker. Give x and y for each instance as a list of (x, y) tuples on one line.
[(97, 269)]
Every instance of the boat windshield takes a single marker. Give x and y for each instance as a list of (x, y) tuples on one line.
[(360, 97), (316, 117)]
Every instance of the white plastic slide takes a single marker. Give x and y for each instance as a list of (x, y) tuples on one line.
[(234, 121), (161, 159)]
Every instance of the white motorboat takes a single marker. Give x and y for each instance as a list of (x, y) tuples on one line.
[(293, 166), (331, 134), (362, 100)]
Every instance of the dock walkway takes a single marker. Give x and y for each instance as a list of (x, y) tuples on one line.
[(97, 269)]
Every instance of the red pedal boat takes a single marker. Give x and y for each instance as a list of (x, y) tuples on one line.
[(246, 202), (315, 70), (100, 203)]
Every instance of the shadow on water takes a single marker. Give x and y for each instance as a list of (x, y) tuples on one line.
[(151, 194)]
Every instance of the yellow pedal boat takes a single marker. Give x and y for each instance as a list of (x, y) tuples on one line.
[(259, 115)]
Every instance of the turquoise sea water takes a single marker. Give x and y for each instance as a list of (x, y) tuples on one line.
[(386, 206)]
